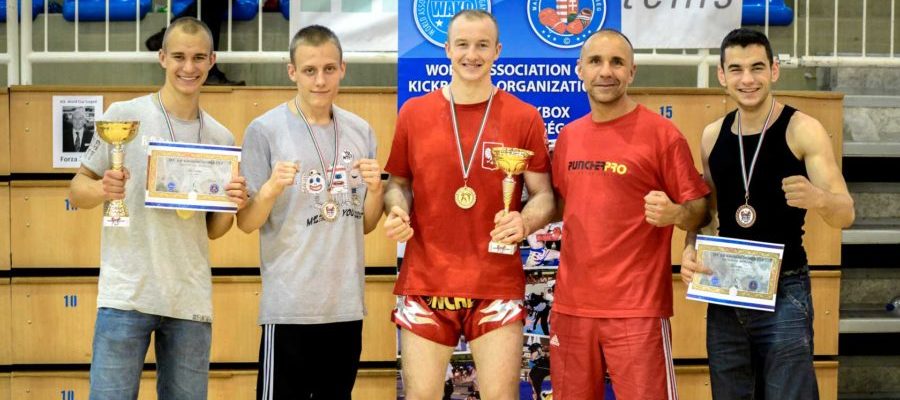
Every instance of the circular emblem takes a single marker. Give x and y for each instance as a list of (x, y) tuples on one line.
[(170, 186), (346, 156), (745, 216), (214, 188), (465, 197), (330, 211), (714, 280), (753, 286), (565, 23), (433, 16)]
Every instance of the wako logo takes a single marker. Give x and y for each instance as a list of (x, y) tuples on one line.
[(433, 16), (566, 23)]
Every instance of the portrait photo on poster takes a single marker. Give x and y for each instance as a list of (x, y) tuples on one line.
[(73, 127)]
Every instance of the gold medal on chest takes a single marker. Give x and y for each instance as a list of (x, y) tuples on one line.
[(465, 197)]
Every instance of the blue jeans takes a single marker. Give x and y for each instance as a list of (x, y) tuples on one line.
[(759, 355), (121, 339)]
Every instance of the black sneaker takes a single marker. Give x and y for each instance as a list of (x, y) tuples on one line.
[(219, 79), (154, 42)]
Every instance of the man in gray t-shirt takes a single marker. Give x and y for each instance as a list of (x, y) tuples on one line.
[(154, 273), (316, 190)]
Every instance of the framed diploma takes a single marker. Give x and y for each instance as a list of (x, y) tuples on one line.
[(744, 272), (189, 176)]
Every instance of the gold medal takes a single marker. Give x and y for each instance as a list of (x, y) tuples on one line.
[(465, 197), (184, 214), (745, 216), (330, 211)]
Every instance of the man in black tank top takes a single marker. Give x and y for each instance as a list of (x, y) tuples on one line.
[(789, 167)]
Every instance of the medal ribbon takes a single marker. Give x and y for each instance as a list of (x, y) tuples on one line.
[(466, 168), (744, 174), (169, 121), (337, 142)]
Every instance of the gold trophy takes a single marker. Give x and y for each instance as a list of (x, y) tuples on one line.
[(116, 133), (513, 162)]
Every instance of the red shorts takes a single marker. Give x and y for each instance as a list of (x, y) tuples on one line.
[(637, 352), (443, 319)]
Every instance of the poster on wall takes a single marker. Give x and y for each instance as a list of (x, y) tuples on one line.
[(541, 41), (73, 127)]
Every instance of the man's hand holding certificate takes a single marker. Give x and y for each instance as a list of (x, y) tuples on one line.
[(187, 176), (740, 273)]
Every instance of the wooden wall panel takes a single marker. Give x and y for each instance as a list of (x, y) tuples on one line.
[(5, 232), (4, 132), (688, 323), (4, 387), (249, 103), (235, 249), (53, 320), (237, 385), (827, 379), (49, 233), (689, 112), (692, 382), (235, 332), (379, 333), (380, 384), (380, 251), (5, 323), (826, 291)]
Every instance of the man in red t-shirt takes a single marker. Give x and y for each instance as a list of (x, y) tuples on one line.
[(623, 176), (444, 199)]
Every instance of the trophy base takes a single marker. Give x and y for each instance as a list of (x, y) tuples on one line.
[(115, 222), (501, 248)]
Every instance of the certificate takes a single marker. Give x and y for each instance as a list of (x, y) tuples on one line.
[(190, 176), (744, 272)]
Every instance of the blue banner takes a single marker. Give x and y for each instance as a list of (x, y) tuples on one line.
[(541, 41)]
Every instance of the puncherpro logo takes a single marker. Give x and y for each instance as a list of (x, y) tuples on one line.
[(597, 165)]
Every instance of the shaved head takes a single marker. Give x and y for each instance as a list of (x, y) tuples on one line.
[(189, 25), (608, 33)]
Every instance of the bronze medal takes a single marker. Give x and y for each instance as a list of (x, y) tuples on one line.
[(745, 216), (330, 211)]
